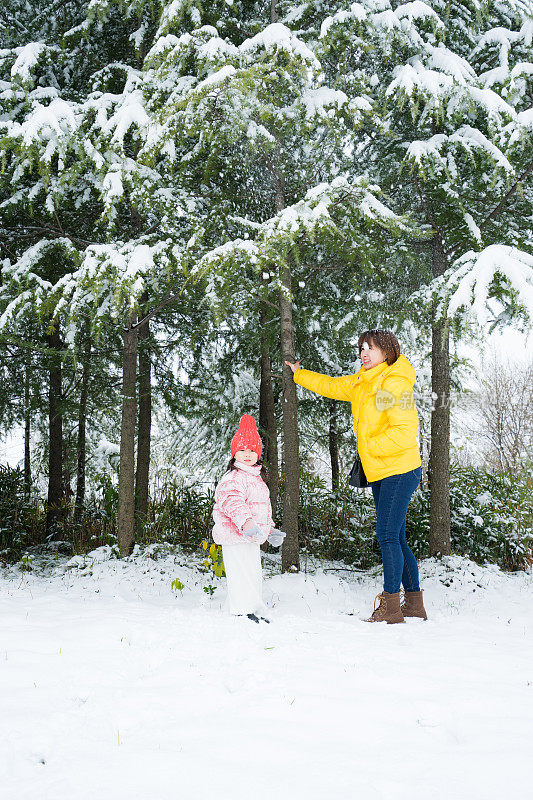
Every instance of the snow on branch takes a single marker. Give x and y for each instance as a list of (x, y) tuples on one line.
[(469, 139), (27, 58), (174, 12), (24, 269), (277, 37), (113, 273), (473, 273), (356, 12), (130, 112), (22, 281), (216, 78), (109, 278), (503, 38), (315, 213), (316, 101), (413, 79), (316, 208), (52, 123), (418, 10), (498, 271), (445, 60), (381, 22)]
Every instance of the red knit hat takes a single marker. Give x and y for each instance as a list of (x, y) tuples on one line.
[(247, 437)]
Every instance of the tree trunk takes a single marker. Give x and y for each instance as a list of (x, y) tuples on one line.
[(290, 558), (126, 481), (27, 426), (334, 445), (290, 555), (274, 16), (55, 497), (82, 430), (267, 417), (144, 429), (439, 457)]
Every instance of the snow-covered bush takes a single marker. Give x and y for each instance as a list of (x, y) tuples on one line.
[(491, 516), (491, 520)]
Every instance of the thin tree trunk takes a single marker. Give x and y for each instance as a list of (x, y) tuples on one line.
[(144, 429), (27, 426), (290, 557), (55, 496), (274, 16), (334, 445), (126, 481), (424, 449), (439, 458), (267, 416), (290, 554), (82, 430)]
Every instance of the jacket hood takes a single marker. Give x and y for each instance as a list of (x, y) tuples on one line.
[(401, 368)]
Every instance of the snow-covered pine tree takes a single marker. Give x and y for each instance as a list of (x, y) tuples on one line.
[(31, 59), (455, 147), (80, 241), (264, 143)]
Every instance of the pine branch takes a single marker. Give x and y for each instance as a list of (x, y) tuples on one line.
[(11, 21), (40, 230), (511, 191), (496, 209), (169, 298)]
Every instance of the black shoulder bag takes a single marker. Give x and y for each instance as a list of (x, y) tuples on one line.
[(357, 477)]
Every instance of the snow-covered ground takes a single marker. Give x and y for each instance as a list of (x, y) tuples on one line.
[(114, 685)]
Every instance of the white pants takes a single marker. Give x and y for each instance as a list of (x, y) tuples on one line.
[(242, 563)]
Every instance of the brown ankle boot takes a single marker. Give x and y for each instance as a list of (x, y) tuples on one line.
[(413, 605), (388, 610)]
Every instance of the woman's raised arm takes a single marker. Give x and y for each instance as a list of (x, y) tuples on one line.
[(341, 388)]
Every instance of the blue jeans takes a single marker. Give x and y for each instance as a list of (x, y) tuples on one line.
[(391, 497)]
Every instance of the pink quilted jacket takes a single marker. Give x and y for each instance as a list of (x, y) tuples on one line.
[(241, 495)]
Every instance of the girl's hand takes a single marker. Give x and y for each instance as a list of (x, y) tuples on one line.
[(276, 537), (294, 366), (251, 531)]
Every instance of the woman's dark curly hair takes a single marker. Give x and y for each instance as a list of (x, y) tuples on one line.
[(385, 340)]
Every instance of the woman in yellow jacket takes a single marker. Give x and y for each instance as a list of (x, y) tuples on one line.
[(386, 426)]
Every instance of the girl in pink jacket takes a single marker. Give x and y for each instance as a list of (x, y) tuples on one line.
[(243, 521)]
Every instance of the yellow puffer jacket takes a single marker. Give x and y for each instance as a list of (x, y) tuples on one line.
[(384, 414)]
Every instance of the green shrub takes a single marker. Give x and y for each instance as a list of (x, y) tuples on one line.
[(491, 516), (491, 520), (21, 518), (180, 515), (96, 527), (337, 526)]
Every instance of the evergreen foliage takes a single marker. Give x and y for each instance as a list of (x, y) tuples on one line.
[(157, 151)]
